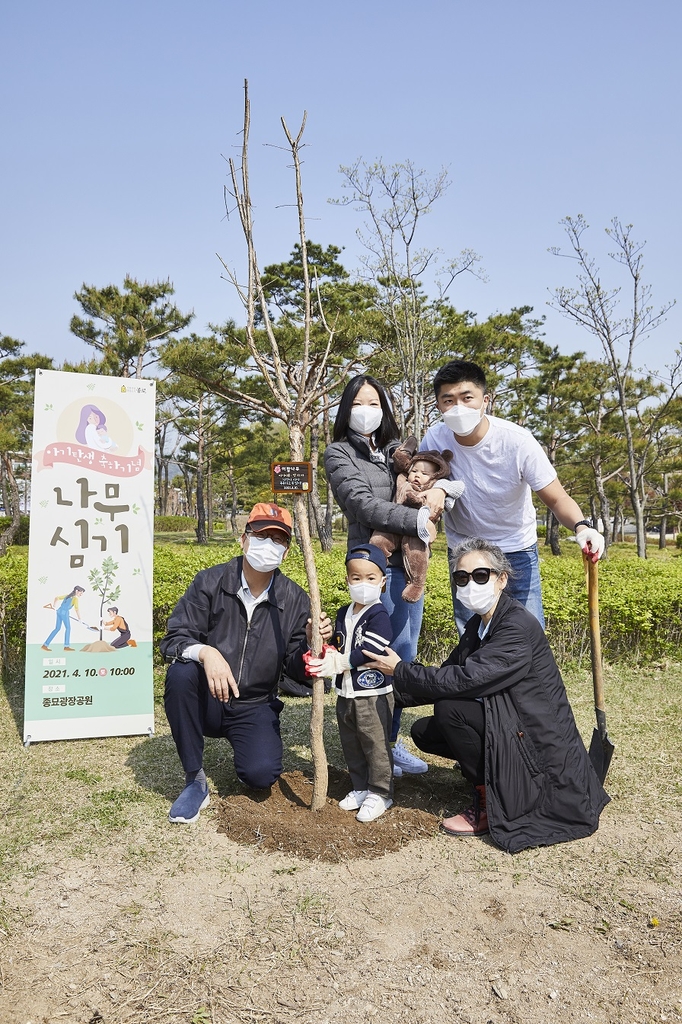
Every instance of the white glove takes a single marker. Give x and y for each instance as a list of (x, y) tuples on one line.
[(333, 664), (591, 541)]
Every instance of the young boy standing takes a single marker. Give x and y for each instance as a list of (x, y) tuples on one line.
[(364, 705)]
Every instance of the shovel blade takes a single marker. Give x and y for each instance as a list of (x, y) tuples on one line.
[(601, 752)]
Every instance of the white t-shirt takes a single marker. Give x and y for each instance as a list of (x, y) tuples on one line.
[(499, 473)]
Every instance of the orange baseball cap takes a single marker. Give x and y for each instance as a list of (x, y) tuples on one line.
[(264, 516)]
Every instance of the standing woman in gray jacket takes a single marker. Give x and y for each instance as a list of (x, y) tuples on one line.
[(359, 469)]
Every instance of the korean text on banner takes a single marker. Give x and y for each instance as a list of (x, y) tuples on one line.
[(89, 619)]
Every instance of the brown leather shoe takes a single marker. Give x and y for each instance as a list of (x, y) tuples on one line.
[(473, 821), (69, 648)]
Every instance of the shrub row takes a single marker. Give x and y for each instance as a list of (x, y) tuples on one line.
[(180, 524), (640, 601), (174, 524), (22, 536)]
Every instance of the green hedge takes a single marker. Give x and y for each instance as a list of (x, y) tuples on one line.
[(174, 524), (640, 601), (22, 536), (640, 606), (180, 524), (13, 567)]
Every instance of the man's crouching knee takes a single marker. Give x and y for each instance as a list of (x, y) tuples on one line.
[(258, 778)]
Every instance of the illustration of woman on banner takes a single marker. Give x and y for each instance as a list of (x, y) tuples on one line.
[(63, 609), (92, 429)]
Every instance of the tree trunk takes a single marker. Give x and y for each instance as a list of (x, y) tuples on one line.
[(664, 518), (201, 510), (323, 531), (103, 594), (233, 506), (187, 476), (165, 488), (312, 524), (553, 533), (551, 523), (634, 477), (209, 497), (3, 489), (320, 770), (603, 499), (640, 529), (9, 480), (617, 522), (329, 513)]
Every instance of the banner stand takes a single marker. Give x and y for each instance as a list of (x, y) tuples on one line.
[(89, 649)]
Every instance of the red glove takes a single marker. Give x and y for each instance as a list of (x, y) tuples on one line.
[(309, 656)]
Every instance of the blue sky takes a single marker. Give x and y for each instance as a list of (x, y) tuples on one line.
[(116, 119)]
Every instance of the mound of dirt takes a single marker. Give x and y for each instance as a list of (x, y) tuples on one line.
[(281, 819), (99, 647)]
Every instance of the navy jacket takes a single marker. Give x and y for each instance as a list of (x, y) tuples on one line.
[(209, 612), (372, 632), (541, 787)]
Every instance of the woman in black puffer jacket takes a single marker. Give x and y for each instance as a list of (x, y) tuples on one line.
[(500, 709)]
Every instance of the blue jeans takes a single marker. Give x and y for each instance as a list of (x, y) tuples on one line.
[(406, 621), (523, 587), (63, 619)]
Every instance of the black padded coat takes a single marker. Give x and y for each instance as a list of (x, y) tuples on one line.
[(541, 787), (365, 491)]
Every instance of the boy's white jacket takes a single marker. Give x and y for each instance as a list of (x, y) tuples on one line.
[(369, 631)]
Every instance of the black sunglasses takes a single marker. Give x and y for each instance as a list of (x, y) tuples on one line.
[(480, 576)]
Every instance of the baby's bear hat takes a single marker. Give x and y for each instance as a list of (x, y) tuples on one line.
[(441, 461)]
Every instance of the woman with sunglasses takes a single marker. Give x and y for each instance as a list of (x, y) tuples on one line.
[(500, 708)]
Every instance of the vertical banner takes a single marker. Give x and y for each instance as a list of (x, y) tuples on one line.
[(89, 622)]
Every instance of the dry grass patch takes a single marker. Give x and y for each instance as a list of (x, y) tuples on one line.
[(110, 915)]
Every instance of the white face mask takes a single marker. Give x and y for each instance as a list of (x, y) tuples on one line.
[(462, 420), (365, 418), (478, 597), (263, 554), (364, 593)]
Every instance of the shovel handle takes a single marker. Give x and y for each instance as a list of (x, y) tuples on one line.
[(592, 570)]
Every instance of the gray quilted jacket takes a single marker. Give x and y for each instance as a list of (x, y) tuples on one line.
[(365, 489)]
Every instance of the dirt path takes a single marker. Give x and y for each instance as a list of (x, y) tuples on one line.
[(188, 926)]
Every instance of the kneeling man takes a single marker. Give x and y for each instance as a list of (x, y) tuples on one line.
[(229, 637)]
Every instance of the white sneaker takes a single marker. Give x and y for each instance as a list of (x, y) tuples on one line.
[(397, 771), (354, 800), (373, 806), (406, 761)]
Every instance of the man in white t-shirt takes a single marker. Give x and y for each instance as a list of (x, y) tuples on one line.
[(500, 464)]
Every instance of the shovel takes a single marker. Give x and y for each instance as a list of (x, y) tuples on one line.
[(93, 628), (601, 747)]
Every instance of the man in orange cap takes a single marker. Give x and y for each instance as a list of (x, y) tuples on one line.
[(231, 634)]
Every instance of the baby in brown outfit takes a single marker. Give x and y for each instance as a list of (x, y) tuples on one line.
[(417, 472)]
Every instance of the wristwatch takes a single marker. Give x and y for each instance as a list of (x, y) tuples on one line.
[(582, 522)]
